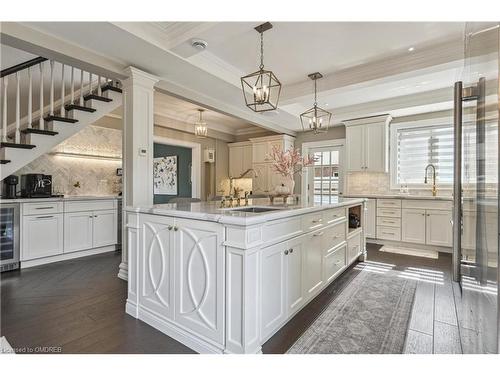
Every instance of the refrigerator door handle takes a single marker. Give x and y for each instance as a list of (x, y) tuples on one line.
[(457, 177)]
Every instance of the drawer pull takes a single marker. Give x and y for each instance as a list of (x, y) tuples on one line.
[(390, 233), (291, 251), (337, 263), (317, 221), (337, 236), (318, 234), (44, 217), (44, 208), (286, 252)]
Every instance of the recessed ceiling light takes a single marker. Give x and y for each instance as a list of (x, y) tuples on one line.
[(199, 44), (411, 49)]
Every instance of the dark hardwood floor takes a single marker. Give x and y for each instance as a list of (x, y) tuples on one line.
[(78, 306)]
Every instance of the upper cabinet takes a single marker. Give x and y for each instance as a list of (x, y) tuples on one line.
[(263, 146), (240, 158), (367, 144)]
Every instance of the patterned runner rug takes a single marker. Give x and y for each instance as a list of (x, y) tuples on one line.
[(371, 315)]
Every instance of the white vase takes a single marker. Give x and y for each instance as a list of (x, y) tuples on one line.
[(290, 184)]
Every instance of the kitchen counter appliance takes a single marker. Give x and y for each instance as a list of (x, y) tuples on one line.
[(10, 187), (36, 185), (9, 237)]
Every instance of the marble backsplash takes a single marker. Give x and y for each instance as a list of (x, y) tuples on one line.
[(95, 176)]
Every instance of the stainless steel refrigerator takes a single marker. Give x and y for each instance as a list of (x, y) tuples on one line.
[(476, 166)]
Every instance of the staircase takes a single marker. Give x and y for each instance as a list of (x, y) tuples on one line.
[(76, 98)]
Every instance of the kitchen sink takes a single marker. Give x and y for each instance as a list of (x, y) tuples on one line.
[(255, 209)]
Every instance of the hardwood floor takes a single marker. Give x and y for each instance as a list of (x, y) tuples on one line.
[(77, 306)]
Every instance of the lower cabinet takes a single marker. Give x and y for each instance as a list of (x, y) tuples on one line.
[(294, 282), (370, 224), (42, 236), (313, 263), (413, 226), (426, 227), (183, 274), (334, 261), (89, 229)]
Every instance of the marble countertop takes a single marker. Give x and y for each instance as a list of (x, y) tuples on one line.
[(61, 199), (400, 196), (211, 211)]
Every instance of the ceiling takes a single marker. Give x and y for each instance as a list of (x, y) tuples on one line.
[(368, 67)]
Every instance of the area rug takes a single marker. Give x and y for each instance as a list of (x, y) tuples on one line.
[(409, 251), (371, 315)]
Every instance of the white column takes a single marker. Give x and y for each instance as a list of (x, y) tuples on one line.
[(138, 116)]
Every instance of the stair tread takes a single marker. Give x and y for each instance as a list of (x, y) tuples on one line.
[(97, 97), (112, 88), (77, 107), (16, 145), (39, 131), (4, 161), (62, 119)]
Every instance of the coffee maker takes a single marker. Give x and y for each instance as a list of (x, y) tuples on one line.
[(10, 187), (36, 185)]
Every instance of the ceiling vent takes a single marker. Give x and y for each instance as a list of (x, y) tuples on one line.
[(199, 44)]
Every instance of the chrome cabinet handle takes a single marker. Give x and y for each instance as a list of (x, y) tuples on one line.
[(44, 208), (317, 221), (318, 234), (176, 228), (44, 217), (170, 227), (291, 251), (286, 252)]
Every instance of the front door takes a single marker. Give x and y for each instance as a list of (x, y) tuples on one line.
[(325, 178)]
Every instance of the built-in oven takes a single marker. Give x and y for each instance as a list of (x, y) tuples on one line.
[(9, 236)]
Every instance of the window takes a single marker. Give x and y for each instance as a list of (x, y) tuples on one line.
[(326, 174), (415, 146)]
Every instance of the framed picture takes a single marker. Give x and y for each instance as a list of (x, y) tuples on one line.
[(165, 176)]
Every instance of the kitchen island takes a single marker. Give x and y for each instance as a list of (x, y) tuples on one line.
[(225, 280)]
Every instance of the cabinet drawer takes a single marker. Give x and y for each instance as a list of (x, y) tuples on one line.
[(334, 215), (353, 247), (77, 206), (389, 203), (40, 208), (334, 236), (388, 212), (388, 233), (389, 222), (334, 262), (427, 204), (312, 221)]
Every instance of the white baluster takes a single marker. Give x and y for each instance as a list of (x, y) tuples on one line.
[(99, 92), (4, 127), (30, 98), (90, 83), (72, 85), (63, 87), (51, 87), (81, 87), (41, 124), (17, 135)]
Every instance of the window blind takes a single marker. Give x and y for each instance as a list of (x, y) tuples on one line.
[(419, 146)]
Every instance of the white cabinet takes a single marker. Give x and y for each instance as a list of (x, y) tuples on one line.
[(78, 230), (313, 263), (240, 158), (371, 218), (42, 236), (367, 144), (438, 228), (413, 225), (260, 181), (104, 228), (89, 229), (334, 261), (273, 288), (294, 282)]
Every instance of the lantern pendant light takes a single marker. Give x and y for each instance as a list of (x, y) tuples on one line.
[(200, 127), (261, 89), (316, 118)]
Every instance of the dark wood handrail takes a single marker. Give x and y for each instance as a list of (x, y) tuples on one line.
[(22, 66)]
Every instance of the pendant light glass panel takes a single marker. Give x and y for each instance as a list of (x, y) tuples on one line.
[(200, 127)]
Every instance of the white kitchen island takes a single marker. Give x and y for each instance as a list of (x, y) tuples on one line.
[(225, 280)]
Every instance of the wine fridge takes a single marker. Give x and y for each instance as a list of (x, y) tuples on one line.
[(9, 236)]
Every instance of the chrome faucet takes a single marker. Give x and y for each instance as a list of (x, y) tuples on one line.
[(434, 190)]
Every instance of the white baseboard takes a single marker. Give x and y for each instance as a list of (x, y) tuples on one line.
[(123, 271), (441, 249), (67, 256)]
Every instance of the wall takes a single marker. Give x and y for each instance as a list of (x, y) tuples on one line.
[(96, 177), (184, 159)]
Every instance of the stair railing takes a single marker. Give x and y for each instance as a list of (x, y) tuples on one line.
[(26, 70)]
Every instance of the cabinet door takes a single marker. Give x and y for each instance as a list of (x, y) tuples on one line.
[(235, 161), (260, 152), (313, 264), (371, 218), (294, 268), (199, 253), (42, 236), (247, 161), (105, 231), (375, 147), (156, 265), (334, 262), (355, 148), (438, 228), (260, 183), (273, 288), (275, 179), (78, 227), (413, 226)]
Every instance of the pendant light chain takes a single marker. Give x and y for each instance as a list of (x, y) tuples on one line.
[(261, 51), (315, 94)]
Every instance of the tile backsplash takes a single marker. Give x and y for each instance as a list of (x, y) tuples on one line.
[(95, 176)]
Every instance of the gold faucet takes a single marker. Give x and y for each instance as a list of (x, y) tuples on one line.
[(231, 179), (434, 190)]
